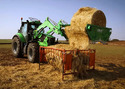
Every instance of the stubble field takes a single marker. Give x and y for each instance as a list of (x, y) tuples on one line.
[(16, 73)]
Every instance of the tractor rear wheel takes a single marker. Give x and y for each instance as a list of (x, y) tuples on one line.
[(33, 52), (16, 47)]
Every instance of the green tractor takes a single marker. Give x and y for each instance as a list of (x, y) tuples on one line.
[(31, 35)]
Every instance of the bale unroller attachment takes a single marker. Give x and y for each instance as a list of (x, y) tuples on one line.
[(65, 57)]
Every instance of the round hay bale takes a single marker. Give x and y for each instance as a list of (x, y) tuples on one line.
[(76, 33), (88, 15)]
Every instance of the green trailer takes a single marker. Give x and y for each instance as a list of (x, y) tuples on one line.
[(98, 33)]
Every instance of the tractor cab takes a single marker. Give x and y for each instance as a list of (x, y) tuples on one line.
[(27, 29)]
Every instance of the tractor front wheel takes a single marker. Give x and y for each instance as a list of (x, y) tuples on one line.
[(33, 52), (16, 47)]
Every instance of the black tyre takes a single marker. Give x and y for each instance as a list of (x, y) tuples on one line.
[(16, 47), (33, 52)]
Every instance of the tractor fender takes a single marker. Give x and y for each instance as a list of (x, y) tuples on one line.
[(20, 36)]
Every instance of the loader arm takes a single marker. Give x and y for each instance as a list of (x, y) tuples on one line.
[(56, 28), (53, 28)]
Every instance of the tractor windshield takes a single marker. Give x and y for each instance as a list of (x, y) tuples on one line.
[(34, 26)]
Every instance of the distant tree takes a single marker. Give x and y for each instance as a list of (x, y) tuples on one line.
[(115, 40)]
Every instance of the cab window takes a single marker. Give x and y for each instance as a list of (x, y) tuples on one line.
[(24, 30)]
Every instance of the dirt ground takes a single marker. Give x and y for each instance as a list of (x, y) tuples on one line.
[(16, 73)]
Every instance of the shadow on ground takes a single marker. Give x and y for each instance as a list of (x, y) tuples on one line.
[(112, 72)]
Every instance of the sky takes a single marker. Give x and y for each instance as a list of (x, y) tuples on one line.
[(12, 10)]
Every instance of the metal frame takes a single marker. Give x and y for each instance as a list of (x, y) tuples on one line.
[(65, 60)]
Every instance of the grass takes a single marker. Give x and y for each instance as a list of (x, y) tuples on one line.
[(5, 40), (5, 45), (109, 50), (101, 50)]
